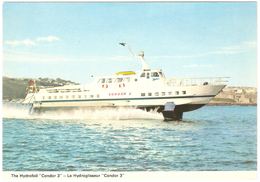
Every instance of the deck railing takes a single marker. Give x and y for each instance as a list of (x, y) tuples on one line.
[(196, 81)]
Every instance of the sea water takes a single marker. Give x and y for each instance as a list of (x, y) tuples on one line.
[(213, 138)]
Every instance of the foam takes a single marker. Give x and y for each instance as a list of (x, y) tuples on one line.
[(20, 111)]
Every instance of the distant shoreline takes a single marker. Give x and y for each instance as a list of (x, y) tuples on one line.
[(230, 104)]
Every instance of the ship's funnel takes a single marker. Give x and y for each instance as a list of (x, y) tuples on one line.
[(141, 56)]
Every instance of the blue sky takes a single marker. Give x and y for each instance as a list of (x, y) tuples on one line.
[(76, 40)]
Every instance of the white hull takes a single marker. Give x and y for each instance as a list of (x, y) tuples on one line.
[(194, 95)]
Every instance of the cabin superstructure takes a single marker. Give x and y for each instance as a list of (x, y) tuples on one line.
[(145, 89)]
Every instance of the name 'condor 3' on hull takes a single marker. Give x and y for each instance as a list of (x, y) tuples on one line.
[(146, 89)]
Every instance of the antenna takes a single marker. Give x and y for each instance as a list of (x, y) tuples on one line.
[(132, 51), (141, 56)]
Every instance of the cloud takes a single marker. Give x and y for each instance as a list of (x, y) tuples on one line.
[(190, 66), (16, 42), (195, 66), (243, 46), (249, 44), (50, 38), (28, 42), (20, 56), (175, 57), (235, 49)]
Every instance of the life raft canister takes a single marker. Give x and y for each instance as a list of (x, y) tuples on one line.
[(122, 85), (104, 86)]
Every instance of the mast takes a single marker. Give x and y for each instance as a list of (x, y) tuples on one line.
[(141, 56)]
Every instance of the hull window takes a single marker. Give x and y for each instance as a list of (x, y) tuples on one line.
[(102, 80), (176, 92), (79, 96), (73, 96), (127, 79), (91, 96), (156, 93), (43, 97), (169, 93), (55, 97), (118, 80), (49, 97), (149, 94), (67, 96), (183, 92), (163, 93), (110, 80), (85, 96), (97, 96), (61, 97), (142, 94)]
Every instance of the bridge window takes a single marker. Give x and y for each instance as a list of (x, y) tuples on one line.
[(148, 75), (176, 92), (154, 74), (142, 75), (161, 73)]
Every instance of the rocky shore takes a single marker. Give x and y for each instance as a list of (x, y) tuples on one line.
[(230, 104), (235, 96)]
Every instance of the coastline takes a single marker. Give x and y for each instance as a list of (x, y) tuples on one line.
[(230, 104)]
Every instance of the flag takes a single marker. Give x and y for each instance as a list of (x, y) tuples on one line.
[(31, 81)]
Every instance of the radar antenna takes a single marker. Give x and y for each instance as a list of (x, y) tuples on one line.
[(141, 56)]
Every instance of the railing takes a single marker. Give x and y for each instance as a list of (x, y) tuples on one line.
[(196, 81), (34, 89)]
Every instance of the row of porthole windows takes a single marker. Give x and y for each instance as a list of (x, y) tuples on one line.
[(69, 97), (163, 93)]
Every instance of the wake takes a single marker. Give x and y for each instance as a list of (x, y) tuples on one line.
[(14, 110)]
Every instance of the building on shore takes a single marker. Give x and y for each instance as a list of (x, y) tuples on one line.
[(247, 95)]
